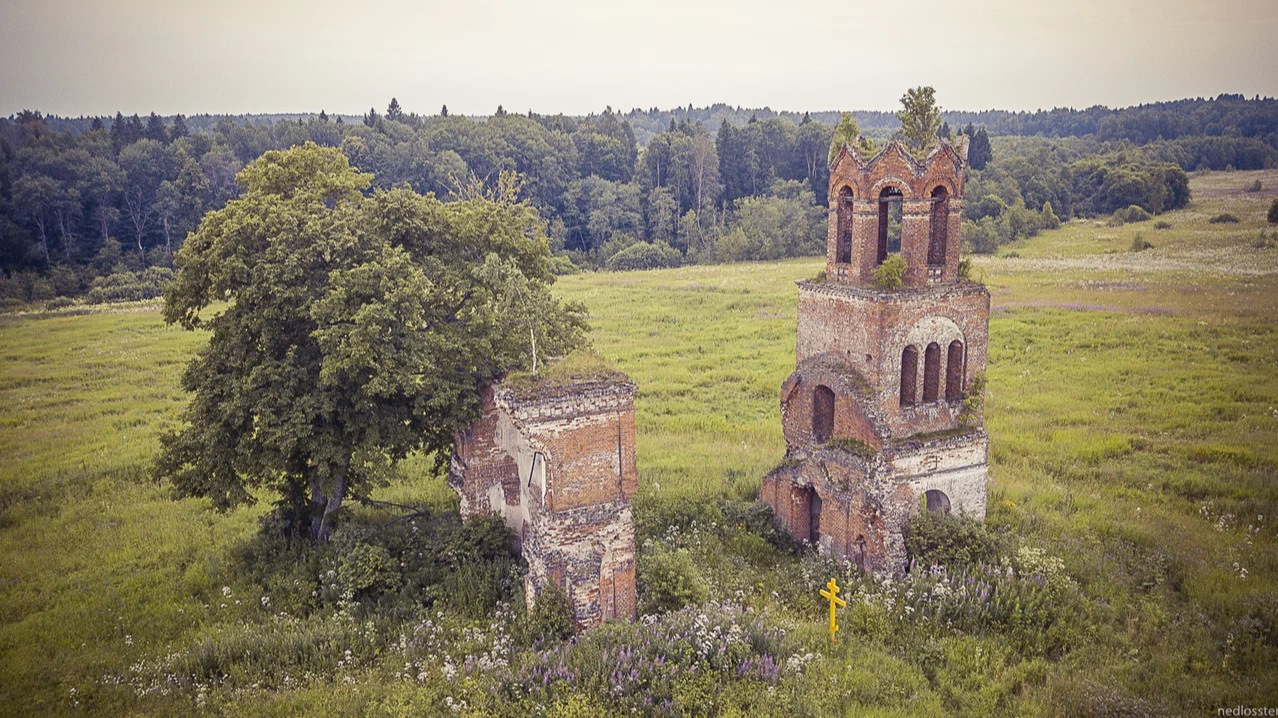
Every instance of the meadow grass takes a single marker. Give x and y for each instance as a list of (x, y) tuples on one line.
[(1132, 407)]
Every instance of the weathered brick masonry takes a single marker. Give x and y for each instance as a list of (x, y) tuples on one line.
[(875, 416), (557, 463)]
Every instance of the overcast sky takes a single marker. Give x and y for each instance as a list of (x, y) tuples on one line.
[(73, 57)]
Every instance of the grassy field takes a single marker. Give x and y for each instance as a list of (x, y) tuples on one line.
[(1132, 408)]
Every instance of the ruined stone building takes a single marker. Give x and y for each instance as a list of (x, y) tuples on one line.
[(874, 414), (556, 460)]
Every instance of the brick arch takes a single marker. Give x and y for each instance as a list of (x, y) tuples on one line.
[(932, 372), (882, 199), (938, 226), (904, 187), (933, 328), (822, 413), (955, 364), (909, 375), (843, 212)]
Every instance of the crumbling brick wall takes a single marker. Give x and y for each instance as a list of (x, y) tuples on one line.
[(914, 436), (557, 462)]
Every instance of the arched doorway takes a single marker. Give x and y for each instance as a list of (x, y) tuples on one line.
[(937, 501)]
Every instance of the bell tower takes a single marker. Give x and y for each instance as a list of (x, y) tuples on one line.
[(883, 412)]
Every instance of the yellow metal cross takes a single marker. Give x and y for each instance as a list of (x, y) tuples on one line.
[(831, 592)]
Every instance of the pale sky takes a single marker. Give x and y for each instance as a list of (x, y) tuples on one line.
[(73, 57)]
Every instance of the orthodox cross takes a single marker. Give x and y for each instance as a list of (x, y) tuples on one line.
[(831, 591)]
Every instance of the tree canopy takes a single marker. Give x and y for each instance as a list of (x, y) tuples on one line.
[(357, 329), (920, 117), (845, 133)]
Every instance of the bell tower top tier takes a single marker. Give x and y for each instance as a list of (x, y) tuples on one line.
[(893, 203)]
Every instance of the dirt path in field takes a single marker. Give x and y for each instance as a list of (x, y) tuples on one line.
[(1002, 306), (1242, 262)]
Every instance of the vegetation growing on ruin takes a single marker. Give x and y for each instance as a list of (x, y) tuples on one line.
[(852, 446)]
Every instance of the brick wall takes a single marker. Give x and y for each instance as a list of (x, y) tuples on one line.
[(558, 464), (869, 329), (915, 179), (851, 338)]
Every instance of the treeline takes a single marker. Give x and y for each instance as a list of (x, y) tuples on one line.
[(1035, 183), (90, 210), (1227, 116)]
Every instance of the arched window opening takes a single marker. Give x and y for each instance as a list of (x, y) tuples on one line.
[(931, 372), (954, 372), (937, 502), (822, 413), (844, 227), (940, 223), (814, 518), (909, 375), (890, 202)]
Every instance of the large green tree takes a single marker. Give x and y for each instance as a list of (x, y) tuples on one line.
[(346, 331)]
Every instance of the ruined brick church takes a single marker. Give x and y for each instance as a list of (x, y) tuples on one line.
[(875, 418), (556, 460), (876, 415)]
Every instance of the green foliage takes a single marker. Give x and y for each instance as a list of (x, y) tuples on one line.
[(950, 540), (973, 400), (150, 283), (846, 132), (1255, 186), (979, 153), (550, 619), (1272, 216), (852, 446), (1224, 218), (890, 274), (1162, 224), (1048, 218), (1132, 213), (367, 569), (1140, 244), (360, 329), (784, 223), (668, 580), (920, 117), (965, 268), (644, 255)]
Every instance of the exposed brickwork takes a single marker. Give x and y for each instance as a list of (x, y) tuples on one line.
[(558, 465), (854, 501)]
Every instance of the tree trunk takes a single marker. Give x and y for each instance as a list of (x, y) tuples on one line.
[(322, 522), (44, 240), (66, 238)]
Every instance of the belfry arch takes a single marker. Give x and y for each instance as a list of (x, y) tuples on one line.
[(939, 227), (891, 204), (843, 226)]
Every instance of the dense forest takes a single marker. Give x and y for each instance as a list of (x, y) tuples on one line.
[(96, 206)]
